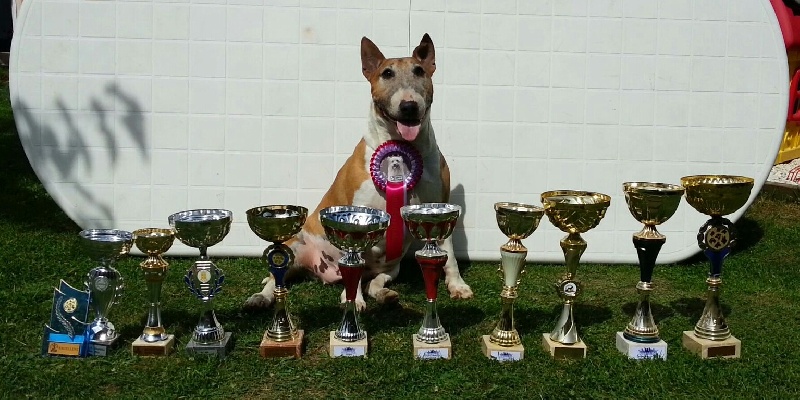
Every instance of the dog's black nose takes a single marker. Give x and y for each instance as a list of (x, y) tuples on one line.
[(409, 109)]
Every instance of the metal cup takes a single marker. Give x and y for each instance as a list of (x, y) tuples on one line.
[(104, 282), (431, 222), (154, 242), (352, 229), (651, 204), (277, 224), (715, 196), (203, 228), (573, 212), (516, 221)]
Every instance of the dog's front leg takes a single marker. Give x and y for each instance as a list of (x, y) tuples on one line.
[(452, 277), (360, 303), (377, 286), (265, 297)]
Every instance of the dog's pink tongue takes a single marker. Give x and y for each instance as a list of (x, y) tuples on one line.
[(408, 132)]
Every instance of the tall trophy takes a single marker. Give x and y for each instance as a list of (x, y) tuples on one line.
[(277, 224), (715, 196), (352, 229), (104, 282), (651, 204), (202, 229), (573, 212), (431, 222), (154, 340), (65, 335), (516, 221)]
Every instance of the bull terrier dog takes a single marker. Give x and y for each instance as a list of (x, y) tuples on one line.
[(402, 94)]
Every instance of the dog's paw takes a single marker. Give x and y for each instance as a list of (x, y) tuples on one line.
[(387, 296), (361, 305), (257, 300), (459, 290)]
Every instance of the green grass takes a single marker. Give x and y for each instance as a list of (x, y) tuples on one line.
[(38, 246)]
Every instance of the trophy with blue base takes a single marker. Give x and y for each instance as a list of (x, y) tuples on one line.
[(202, 229), (104, 282), (64, 335), (715, 196), (651, 204)]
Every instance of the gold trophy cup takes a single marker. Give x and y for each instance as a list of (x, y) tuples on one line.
[(651, 204), (517, 221), (715, 196), (154, 341), (573, 212), (277, 224)]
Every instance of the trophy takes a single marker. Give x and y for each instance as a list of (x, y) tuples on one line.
[(352, 229), (431, 222), (64, 335), (651, 204), (154, 341), (516, 221), (201, 229), (276, 224), (573, 212), (715, 196), (104, 282)]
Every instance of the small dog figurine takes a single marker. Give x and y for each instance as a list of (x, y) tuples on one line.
[(402, 93)]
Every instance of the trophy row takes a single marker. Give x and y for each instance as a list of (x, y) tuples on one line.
[(354, 229)]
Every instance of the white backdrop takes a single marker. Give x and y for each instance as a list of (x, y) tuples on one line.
[(132, 110)]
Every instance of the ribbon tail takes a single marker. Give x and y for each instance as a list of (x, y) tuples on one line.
[(395, 198)]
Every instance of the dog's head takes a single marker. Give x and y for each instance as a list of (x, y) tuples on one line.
[(402, 90)]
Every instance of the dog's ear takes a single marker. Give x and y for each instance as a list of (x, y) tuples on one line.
[(426, 54), (371, 57)]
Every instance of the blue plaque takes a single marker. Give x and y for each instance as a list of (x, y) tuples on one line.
[(64, 335)]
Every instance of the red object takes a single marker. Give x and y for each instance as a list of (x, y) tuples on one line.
[(395, 198), (350, 277), (793, 175), (431, 273), (789, 22), (794, 96)]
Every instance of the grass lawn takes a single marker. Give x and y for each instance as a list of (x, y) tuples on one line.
[(39, 246)]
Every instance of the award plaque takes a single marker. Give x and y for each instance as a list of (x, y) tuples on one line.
[(65, 335)]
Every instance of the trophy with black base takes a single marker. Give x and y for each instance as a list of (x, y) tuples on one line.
[(202, 229)]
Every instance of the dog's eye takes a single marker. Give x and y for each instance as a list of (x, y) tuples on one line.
[(418, 71), (387, 74)]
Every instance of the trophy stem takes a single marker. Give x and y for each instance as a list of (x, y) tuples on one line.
[(155, 270), (568, 289), (504, 333), (282, 328), (431, 263), (711, 325), (208, 329), (349, 330), (642, 327)]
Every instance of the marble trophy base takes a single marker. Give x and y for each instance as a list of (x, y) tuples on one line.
[(99, 348), (338, 348), (728, 348), (154, 349), (219, 349), (436, 351), (560, 351), (290, 348), (501, 353), (641, 351)]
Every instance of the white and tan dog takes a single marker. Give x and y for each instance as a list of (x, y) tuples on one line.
[(402, 94)]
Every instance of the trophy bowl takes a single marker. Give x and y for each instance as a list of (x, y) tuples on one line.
[(105, 243), (717, 195), (431, 221), (276, 223), (652, 203), (517, 221), (575, 211), (353, 228), (152, 241), (202, 227)]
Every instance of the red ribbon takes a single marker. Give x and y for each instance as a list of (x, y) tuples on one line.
[(395, 198)]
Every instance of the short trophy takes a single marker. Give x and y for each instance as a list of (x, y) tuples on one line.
[(352, 229), (573, 212), (154, 340), (201, 229), (715, 196), (104, 282), (277, 224), (651, 204), (64, 335), (516, 221), (431, 222)]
